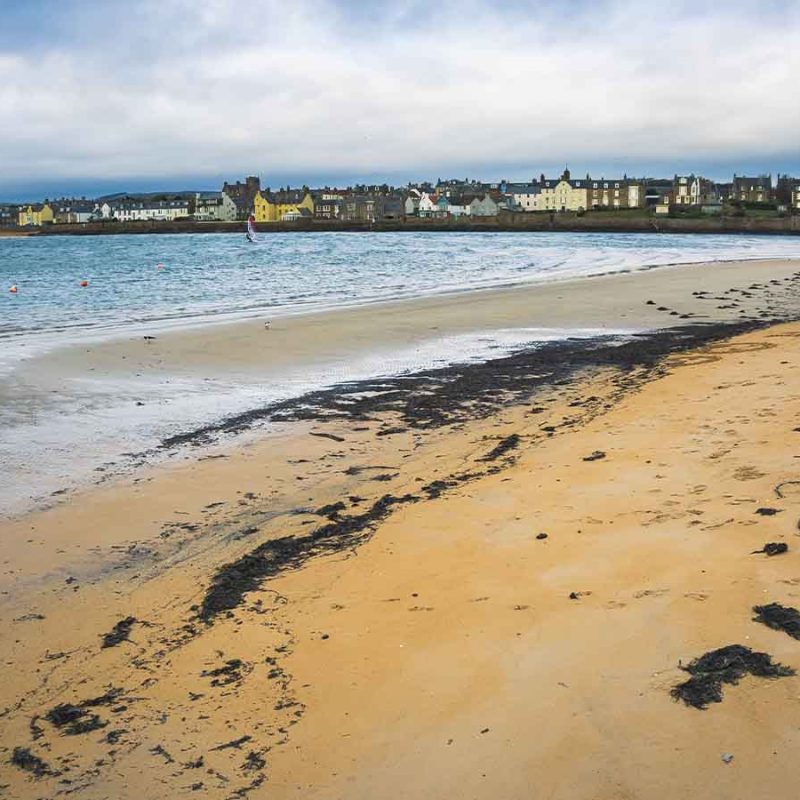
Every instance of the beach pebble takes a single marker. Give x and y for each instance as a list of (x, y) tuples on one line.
[(727, 758), (541, 535), (595, 456)]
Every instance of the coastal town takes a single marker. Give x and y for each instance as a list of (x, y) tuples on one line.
[(679, 196)]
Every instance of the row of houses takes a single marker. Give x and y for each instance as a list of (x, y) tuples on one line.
[(445, 198)]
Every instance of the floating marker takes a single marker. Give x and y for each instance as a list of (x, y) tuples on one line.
[(84, 284), (159, 266), (13, 288)]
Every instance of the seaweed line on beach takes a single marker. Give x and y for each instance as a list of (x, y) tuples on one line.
[(461, 392), (236, 579)]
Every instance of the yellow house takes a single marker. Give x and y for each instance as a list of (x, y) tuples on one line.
[(37, 214), (274, 207)]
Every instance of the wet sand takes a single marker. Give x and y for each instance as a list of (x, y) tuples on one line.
[(366, 607), (248, 348), (69, 413)]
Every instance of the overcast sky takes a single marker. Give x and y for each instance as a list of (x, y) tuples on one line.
[(105, 96)]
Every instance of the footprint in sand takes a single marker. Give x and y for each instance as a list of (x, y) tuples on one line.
[(650, 593), (747, 474)]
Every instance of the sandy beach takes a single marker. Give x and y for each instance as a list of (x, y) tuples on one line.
[(481, 581), (118, 391)]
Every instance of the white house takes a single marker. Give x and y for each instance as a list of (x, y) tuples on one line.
[(214, 207), (484, 208), (150, 210), (459, 209), (427, 205), (411, 205)]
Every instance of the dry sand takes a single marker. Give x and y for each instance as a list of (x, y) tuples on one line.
[(439, 654)]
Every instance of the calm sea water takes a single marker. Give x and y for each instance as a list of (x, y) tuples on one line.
[(55, 430), (205, 275)]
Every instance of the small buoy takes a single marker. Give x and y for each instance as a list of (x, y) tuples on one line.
[(159, 266), (13, 288), (84, 284)]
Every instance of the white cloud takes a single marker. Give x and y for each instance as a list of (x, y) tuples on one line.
[(185, 88)]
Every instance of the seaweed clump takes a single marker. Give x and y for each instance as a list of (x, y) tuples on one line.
[(779, 618), (233, 581), (119, 633), (503, 446), (726, 665), (773, 549), (74, 720), (23, 758)]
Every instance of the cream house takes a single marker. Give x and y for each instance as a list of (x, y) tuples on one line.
[(525, 197), (564, 194)]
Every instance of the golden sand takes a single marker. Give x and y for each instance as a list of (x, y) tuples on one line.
[(444, 656)]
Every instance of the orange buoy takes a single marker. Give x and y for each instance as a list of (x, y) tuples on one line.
[(84, 283), (13, 288)]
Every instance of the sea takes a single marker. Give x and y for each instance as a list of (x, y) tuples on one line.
[(149, 284)]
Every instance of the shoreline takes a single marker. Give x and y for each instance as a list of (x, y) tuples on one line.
[(605, 222), (147, 392), (403, 623), (197, 323)]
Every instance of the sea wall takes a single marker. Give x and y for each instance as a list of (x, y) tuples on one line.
[(605, 222)]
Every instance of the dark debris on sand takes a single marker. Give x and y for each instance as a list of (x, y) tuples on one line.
[(119, 633), (232, 671), (503, 447), (234, 580), (725, 665), (772, 549), (597, 455), (779, 618), (75, 719), (457, 393), (25, 760)]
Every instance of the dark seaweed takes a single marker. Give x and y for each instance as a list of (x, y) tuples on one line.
[(86, 724), (119, 633), (779, 618), (230, 672), (74, 720), (448, 395), (27, 761), (509, 443), (63, 714), (331, 510), (233, 581), (235, 744), (725, 665), (253, 762), (772, 548)]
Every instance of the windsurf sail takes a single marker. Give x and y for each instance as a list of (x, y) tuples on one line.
[(251, 228)]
